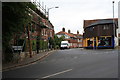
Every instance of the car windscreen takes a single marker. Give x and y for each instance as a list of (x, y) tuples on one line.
[(64, 44)]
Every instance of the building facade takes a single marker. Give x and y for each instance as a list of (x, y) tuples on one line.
[(75, 40), (41, 26), (38, 32), (100, 33)]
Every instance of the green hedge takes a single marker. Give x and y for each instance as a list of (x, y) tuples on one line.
[(43, 44), (33, 45)]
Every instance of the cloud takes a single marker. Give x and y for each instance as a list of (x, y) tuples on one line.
[(71, 13)]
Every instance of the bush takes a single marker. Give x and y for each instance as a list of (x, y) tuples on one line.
[(8, 55), (43, 44), (33, 45), (20, 42), (57, 47)]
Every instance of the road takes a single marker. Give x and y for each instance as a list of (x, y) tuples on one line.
[(71, 63)]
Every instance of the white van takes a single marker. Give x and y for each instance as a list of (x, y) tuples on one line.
[(64, 45)]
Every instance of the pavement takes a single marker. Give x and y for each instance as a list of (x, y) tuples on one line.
[(27, 61)]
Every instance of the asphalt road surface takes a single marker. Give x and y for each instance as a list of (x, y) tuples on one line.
[(71, 63)]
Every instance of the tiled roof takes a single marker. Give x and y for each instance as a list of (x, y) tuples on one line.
[(70, 34), (61, 32), (78, 35), (71, 41)]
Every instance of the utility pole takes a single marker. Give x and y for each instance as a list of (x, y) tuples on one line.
[(114, 29)]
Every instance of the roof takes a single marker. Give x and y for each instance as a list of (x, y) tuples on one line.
[(71, 41), (89, 23), (101, 22), (79, 36), (61, 32)]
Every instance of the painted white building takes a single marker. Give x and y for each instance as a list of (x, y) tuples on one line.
[(75, 40)]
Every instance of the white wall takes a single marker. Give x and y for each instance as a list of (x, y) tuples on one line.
[(66, 36), (118, 30), (59, 36), (119, 18)]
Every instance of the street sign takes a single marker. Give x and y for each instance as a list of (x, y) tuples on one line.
[(17, 48)]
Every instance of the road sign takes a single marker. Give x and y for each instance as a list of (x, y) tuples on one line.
[(17, 48)]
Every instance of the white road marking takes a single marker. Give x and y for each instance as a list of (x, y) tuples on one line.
[(57, 73)]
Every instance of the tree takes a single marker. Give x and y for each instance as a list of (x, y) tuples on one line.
[(14, 16), (57, 41)]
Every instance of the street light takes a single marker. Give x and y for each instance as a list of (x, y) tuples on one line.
[(51, 8), (113, 24), (48, 19)]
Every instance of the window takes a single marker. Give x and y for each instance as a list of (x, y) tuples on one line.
[(64, 44), (50, 33), (104, 41), (90, 42), (105, 27), (91, 28), (44, 32), (80, 40)]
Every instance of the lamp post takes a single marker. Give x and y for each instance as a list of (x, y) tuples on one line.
[(49, 30), (114, 30), (51, 8)]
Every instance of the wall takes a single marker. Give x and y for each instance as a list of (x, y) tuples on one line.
[(98, 30), (119, 20)]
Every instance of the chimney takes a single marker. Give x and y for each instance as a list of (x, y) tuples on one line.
[(63, 29), (77, 32), (69, 31)]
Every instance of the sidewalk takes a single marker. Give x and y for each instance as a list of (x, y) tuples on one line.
[(26, 61)]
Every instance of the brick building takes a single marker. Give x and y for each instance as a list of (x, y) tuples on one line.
[(100, 33), (40, 29), (40, 26)]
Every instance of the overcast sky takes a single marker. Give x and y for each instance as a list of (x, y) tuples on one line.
[(71, 13)]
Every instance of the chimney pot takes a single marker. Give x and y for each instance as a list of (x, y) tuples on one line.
[(69, 31), (63, 29)]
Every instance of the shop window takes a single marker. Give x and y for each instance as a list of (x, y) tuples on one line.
[(90, 43), (104, 41)]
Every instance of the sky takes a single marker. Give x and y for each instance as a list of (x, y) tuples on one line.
[(72, 13)]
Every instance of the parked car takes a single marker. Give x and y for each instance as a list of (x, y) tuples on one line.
[(65, 45)]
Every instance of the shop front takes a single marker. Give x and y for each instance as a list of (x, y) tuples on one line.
[(99, 42)]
